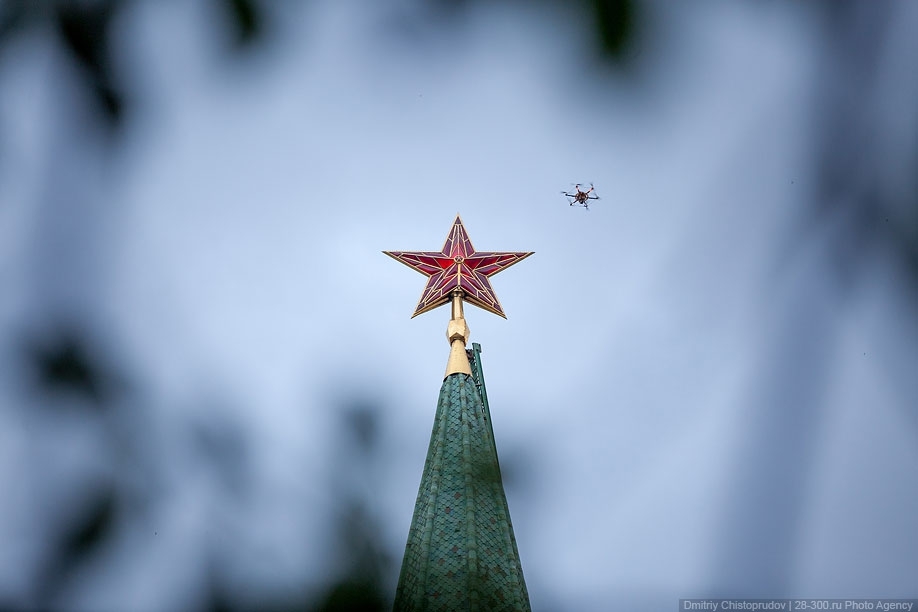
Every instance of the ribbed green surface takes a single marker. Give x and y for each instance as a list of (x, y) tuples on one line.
[(461, 553)]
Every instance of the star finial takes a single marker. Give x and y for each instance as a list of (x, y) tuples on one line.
[(458, 266)]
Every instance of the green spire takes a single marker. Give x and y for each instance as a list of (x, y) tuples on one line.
[(461, 552)]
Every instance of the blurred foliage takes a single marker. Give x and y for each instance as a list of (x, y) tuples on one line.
[(63, 363), (354, 596), (358, 558), (85, 30), (856, 176), (84, 533), (362, 556), (246, 19), (615, 21), (66, 366)]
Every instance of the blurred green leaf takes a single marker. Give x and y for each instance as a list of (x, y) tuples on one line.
[(615, 20), (90, 529), (247, 20), (84, 29), (78, 541), (354, 596), (65, 365)]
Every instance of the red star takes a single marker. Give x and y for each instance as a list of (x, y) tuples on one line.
[(458, 266)]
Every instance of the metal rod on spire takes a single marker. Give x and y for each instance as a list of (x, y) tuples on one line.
[(457, 334), (456, 297)]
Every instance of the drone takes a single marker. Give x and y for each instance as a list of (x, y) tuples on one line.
[(581, 198)]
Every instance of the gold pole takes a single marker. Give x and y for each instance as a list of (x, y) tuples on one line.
[(457, 334)]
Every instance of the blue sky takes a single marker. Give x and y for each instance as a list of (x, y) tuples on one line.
[(673, 361)]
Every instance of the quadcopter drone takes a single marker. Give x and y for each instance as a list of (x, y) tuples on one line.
[(581, 198)]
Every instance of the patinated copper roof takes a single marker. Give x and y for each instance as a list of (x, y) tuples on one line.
[(461, 552)]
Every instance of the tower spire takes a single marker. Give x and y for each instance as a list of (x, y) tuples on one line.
[(461, 552)]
